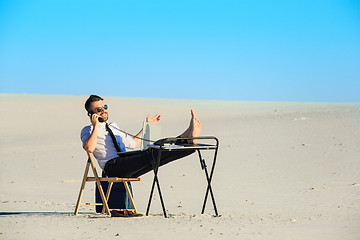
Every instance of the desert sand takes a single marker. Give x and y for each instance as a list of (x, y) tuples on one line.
[(284, 171)]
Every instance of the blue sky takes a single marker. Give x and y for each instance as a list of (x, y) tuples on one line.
[(295, 50)]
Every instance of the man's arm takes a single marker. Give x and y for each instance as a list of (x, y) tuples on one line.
[(137, 138), (154, 119), (90, 144)]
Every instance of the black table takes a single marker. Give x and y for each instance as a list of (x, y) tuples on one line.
[(168, 144)]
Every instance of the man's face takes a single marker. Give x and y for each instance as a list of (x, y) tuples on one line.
[(99, 104)]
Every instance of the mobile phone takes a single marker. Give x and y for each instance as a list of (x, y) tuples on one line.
[(99, 118)]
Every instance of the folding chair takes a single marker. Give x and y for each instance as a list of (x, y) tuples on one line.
[(98, 181)]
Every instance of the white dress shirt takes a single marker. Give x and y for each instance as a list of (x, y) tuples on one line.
[(105, 149)]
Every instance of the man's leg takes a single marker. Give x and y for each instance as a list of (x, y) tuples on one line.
[(138, 163), (128, 163), (134, 164), (166, 157)]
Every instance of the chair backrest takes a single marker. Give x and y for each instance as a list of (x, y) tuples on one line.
[(93, 165), (150, 132)]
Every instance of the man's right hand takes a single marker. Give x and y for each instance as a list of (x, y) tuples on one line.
[(94, 119), (90, 144)]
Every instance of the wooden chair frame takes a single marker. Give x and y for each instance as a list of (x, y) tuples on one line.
[(98, 180)]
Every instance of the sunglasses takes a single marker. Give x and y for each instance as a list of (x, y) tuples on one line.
[(99, 109)]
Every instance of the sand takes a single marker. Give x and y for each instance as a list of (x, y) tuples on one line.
[(284, 171)]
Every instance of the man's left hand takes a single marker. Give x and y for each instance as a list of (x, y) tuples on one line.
[(154, 119)]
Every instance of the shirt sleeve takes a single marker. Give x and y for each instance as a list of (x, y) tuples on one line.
[(85, 134)]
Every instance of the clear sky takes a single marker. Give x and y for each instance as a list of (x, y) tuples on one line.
[(253, 50)]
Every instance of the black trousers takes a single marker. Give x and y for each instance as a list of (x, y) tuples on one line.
[(136, 163)]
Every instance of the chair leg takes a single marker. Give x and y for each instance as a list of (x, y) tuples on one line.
[(107, 195), (130, 196), (101, 191), (82, 188)]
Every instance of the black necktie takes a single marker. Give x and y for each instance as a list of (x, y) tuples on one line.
[(112, 137)]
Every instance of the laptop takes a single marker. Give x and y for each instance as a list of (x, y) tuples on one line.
[(151, 132)]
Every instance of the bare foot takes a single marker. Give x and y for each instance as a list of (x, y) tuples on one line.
[(195, 127), (193, 130)]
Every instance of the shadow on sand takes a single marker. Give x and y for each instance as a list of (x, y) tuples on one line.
[(37, 213), (54, 214)]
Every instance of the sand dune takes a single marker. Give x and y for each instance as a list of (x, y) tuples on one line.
[(285, 171)]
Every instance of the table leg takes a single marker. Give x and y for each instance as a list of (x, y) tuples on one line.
[(150, 198), (209, 188), (156, 180)]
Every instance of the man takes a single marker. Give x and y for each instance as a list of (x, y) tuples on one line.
[(97, 140)]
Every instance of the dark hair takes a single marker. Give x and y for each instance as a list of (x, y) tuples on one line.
[(92, 98)]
